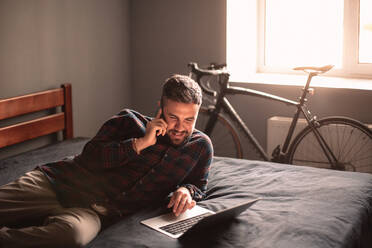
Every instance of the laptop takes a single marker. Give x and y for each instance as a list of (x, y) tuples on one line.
[(194, 220)]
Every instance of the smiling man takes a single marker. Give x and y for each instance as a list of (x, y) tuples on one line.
[(134, 161), (175, 120)]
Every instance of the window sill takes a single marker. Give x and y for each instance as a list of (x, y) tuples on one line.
[(300, 80)]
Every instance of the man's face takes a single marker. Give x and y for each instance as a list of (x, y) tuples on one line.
[(181, 118)]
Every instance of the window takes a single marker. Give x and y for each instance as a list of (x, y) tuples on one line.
[(365, 32), (309, 33), (273, 36)]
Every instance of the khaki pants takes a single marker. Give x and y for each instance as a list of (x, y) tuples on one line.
[(31, 197)]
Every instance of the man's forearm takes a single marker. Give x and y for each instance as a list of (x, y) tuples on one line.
[(139, 144), (108, 154)]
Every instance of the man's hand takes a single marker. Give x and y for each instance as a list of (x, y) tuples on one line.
[(181, 201), (154, 128)]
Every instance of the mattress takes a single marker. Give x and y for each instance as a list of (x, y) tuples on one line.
[(299, 206)]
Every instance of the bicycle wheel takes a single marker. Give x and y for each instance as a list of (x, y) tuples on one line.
[(349, 140), (225, 141)]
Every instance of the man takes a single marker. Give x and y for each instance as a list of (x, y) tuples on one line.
[(132, 162)]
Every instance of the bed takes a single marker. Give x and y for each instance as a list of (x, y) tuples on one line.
[(299, 206)]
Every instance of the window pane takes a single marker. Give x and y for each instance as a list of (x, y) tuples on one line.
[(303, 32), (365, 32)]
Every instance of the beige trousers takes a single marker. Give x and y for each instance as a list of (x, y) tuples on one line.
[(32, 197)]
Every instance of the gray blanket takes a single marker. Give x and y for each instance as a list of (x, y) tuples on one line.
[(299, 206)]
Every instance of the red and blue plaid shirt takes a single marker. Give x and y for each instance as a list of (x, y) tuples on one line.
[(109, 171)]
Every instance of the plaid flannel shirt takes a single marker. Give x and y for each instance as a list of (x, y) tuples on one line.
[(109, 171)]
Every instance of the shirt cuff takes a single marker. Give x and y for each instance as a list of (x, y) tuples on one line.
[(190, 188)]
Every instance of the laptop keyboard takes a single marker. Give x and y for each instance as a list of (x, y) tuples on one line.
[(183, 225)]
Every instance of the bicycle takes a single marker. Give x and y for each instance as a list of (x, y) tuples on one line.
[(336, 142)]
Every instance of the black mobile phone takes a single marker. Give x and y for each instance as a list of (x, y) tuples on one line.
[(162, 115), (162, 110)]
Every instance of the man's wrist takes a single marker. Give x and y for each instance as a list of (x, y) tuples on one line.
[(138, 145), (135, 146), (189, 188)]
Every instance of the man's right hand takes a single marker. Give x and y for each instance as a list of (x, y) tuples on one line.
[(154, 128)]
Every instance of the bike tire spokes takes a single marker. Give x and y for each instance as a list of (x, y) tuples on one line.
[(350, 143)]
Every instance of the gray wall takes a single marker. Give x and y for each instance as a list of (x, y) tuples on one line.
[(117, 53), (44, 43), (167, 34)]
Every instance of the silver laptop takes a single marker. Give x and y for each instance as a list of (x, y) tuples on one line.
[(195, 220)]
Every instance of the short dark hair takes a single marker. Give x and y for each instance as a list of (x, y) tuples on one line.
[(181, 88)]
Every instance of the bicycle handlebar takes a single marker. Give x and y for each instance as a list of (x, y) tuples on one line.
[(216, 66), (213, 70), (220, 69)]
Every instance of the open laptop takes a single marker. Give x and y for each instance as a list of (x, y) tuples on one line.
[(194, 220)]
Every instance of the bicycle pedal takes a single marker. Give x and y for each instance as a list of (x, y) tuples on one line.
[(276, 151)]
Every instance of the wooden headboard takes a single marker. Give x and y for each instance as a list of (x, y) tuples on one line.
[(30, 103)]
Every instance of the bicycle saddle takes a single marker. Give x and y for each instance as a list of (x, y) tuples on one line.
[(314, 69)]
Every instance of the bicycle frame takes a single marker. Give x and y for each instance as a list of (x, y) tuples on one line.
[(281, 155)]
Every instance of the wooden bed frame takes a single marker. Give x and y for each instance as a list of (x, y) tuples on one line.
[(30, 103)]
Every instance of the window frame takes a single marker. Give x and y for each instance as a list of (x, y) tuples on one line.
[(351, 68)]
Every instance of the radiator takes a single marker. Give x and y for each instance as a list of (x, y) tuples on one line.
[(277, 129)]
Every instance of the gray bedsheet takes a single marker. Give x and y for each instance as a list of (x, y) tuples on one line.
[(299, 206)]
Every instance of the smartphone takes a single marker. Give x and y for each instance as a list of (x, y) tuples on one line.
[(162, 110)]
